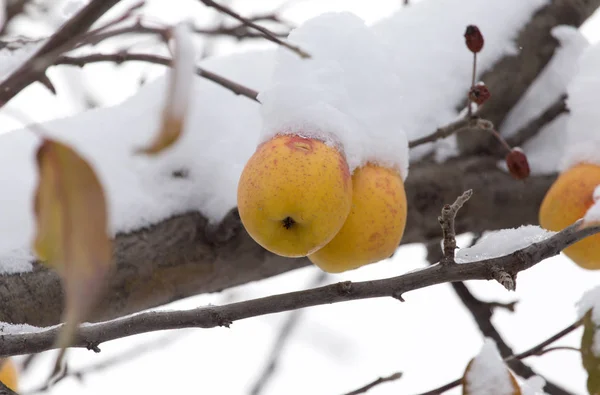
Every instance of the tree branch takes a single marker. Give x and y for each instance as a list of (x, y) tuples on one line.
[(91, 336), (472, 123), (482, 314), (510, 77), (121, 57), (527, 132), (446, 221), (380, 380), (31, 70), (535, 350), (284, 334), (265, 32), (184, 255)]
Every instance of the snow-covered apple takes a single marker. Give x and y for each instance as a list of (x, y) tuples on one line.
[(375, 224), (294, 194), (567, 200)]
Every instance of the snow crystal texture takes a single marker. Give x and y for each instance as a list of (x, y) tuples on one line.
[(502, 242), (488, 374), (347, 93)]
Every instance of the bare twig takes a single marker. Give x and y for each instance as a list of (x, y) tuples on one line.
[(121, 57), (447, 223), (505, 306), (91, 336), (287, 329), (534, 126), (535, 350), (482, 312), (32, 70), (380, 380), (463, 124), (266, 32)]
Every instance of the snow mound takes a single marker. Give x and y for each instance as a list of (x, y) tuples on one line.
[(346, 94), (502, 242), (583, 139), (487, 373), (199, 172), (533, 386)]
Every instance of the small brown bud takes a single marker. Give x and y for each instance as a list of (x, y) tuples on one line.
[(473, 38), (479, 94), (517, 163)]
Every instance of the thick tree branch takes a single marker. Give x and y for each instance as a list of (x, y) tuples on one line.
[(91, 336), (510, 78), (184, 255)]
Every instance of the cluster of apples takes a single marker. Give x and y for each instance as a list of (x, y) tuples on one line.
[(297, 197), (567, 200)]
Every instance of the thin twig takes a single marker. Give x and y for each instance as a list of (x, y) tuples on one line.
[(266, 32), (286, 330), (121, 57), (91, 336), (463, 124), (31, 70), (535, 350), (447, 223), (527, 132), (482, 312), (381, 380)]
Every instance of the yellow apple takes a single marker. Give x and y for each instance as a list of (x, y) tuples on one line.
[(374, 226), (294, 194), (567, 200), (8, 374)]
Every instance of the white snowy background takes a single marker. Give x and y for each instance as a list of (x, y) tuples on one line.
[(335, 348)]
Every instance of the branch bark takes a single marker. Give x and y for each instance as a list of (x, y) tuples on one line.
[(510, 78), (184, 255), (91, 336), (482, 315)]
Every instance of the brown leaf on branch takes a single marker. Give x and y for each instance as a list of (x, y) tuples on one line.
[(488, 374), (181, 79), (71, 231)]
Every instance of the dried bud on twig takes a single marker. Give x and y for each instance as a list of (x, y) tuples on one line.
[(479, 94), (517, 163), (473, 38)]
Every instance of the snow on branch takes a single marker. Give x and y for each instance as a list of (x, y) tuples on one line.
[(91, 336)]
